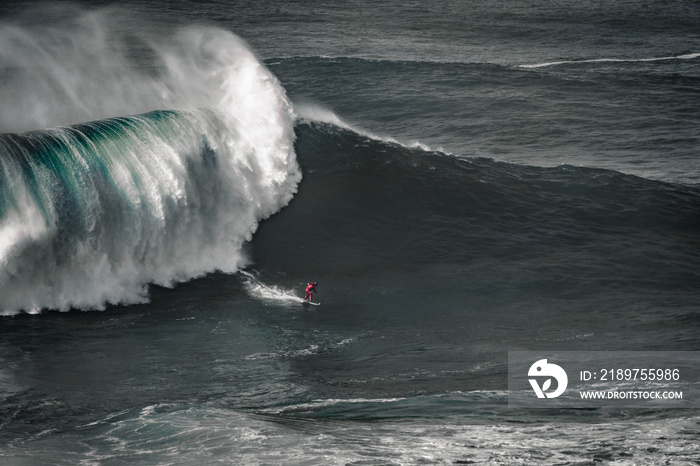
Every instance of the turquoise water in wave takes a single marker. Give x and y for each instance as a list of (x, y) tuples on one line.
[(462, 179)]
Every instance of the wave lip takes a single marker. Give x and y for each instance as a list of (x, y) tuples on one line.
[(308, 112), (90, 214)]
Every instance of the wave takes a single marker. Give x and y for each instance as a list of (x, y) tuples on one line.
[(688, 56), (91, 213), (360, 61), (368, 206)]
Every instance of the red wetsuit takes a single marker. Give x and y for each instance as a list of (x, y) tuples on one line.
[(309, 288)]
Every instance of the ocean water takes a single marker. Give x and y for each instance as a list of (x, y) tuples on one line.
[(463, 179)]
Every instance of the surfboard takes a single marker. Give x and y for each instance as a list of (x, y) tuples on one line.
[(312, 303)]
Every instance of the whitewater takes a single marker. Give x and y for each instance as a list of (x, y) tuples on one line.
[(92, 213)]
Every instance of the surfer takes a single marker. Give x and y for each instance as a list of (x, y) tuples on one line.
[(309, 288)]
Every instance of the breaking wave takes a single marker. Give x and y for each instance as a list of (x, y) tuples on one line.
[(91, 213)]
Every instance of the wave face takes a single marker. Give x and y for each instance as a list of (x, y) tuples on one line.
[(477, 229), (92, 213)]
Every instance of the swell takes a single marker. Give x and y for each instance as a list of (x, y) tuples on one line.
[(398, 64), (92, 213), (614, 117)]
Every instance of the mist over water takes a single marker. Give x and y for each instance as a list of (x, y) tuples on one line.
[(63, 65), (91, 213)]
